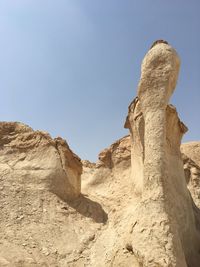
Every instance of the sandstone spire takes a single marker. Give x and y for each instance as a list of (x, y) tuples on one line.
[(166, 223)]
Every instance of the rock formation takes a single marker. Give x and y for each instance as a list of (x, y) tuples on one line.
[(190, 154), (34, 169), (131, 208), (33, 157), (167, 220)]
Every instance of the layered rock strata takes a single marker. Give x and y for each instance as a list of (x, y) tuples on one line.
[(33, 157)]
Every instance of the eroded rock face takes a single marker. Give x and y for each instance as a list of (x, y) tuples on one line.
[(192, 150), (116, 153), (127, 209), (157, 168), (191, 159), (33, 158), (38, 175)]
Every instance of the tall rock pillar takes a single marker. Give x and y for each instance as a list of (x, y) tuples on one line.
[(165, 220)]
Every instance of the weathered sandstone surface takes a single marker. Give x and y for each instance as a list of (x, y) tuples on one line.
[(22, 154), (36, 171), (168, 221), (138, 206), (190, 154)]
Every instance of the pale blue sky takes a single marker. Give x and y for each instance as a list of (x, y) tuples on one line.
[(71, 67)]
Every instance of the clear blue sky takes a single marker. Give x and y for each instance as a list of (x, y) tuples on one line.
[(71, 67)]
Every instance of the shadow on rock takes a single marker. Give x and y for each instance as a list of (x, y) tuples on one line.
[(196, 211), (89, 208)]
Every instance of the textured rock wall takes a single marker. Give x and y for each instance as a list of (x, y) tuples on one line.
[(191, 158), (33, 157), (38, 175)]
